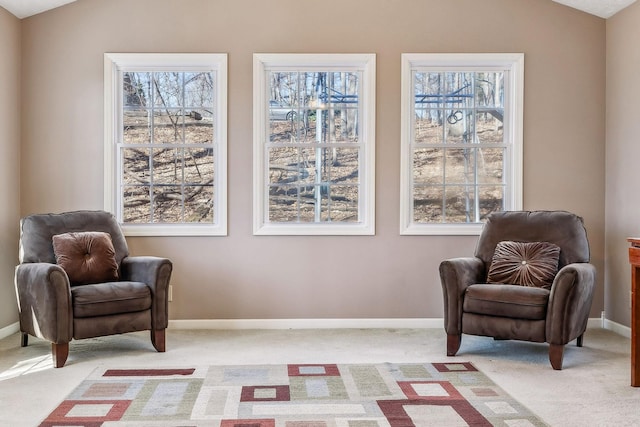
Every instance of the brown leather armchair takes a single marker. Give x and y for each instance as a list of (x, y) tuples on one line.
[(556, 315), (57, 309)]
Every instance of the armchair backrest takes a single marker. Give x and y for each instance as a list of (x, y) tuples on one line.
[(559, 227), (37, 231)]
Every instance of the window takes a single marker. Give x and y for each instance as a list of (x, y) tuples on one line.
[(461, 140), (165, 143), (314, 144)]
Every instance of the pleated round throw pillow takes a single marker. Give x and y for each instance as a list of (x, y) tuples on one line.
[(524, 263)]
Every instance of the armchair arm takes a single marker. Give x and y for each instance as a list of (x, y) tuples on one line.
[(456, 275), (570, 302), (156, 273), (44, 301)]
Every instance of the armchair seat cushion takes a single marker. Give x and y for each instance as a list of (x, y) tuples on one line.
[(513, 301), (110, 298)]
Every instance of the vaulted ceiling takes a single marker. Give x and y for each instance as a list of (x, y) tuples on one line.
[(601, 8)]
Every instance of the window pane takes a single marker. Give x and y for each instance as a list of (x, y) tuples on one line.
[(491, 199), (460, 204), (458, 91), (280, 111), (429, 126), (460, 166), (198, 205), (307, 206), (136, 127), (167, 89), (199, 166), (168, 126), (342, 166), (308, 165), (198, 127), (167, 204), (136, 166), (284, 130), (312, 128), (428, 90), (137, 90), (284, 167), (490, 90), (343, 125), (428, 165), (427, 204), (167, 165), (136, 206), (489, 127), (339, 203), (198, 91), (283, 203), (459, 126), (284, 89), (491, 165)]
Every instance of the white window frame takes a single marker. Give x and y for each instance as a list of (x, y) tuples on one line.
[(513, 65), (114, 65), (264, 63)]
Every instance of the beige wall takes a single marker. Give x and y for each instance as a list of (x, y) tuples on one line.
[(9, 162), (623, 157), (246, 276)]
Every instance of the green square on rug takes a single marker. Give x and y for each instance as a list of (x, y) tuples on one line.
[(307, 395)]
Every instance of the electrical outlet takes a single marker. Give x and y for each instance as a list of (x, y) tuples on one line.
[(170, 293)]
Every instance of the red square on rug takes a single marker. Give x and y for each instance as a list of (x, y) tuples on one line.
[(455, 367), (313, 371), (265, 393), (87, 411), (430, 390), (267, 422)]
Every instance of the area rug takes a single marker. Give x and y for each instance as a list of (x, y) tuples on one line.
[(322, 395)]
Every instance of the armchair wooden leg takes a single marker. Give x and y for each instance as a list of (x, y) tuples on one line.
[(556, 353), (60, 352), (579, 340), (158, 339), (453, 344), (24, 339)]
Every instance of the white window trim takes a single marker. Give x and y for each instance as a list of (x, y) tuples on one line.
[(113, 64), (514, 63), (320, 62)]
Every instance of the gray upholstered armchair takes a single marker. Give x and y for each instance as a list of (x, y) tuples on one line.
[(511, 288), (76, 280)]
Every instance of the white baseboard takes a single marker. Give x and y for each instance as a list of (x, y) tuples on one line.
[(323, 323), (305, 323), (619, 329), (9, 330)]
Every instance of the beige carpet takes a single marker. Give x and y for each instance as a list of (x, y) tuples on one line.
[(592, 390)]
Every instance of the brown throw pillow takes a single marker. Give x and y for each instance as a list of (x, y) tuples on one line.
[(86, 257), (524, 263)]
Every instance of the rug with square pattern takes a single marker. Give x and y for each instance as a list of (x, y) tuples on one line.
[(322, 395)]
